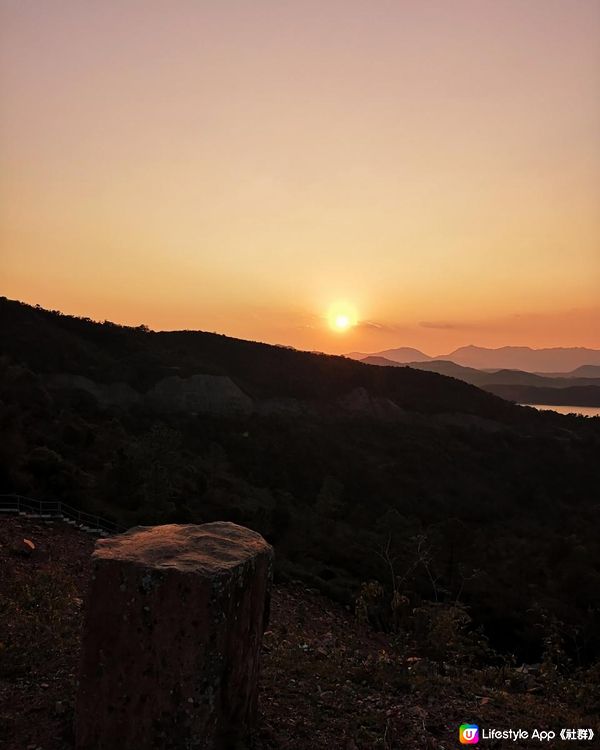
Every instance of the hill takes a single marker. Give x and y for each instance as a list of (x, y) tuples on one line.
[(554, 361), (514, 385), (342, 466), (588, 395), (125, 358), (402, 355), (524, 358), (585, 371)]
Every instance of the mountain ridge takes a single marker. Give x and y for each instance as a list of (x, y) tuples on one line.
[(52, 344), (513, 385), (482, 378), (551, 360)]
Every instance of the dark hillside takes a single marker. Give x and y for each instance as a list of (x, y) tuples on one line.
[(577, 395), (49, 342), (492, 380), (434, 488)]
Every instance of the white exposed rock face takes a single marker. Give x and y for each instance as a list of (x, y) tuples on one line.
[(360, 401), (202, 394), (207, 394)]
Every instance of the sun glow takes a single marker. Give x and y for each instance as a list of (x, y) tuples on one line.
[(342, 322), (341, 317)]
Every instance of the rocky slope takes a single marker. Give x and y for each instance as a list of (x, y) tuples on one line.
[(327, 681)]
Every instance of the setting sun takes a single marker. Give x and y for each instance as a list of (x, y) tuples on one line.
[(342, 322), (341, 317)]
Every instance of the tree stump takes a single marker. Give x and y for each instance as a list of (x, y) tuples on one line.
[(173, 627)]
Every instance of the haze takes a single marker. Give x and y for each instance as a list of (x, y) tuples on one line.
[(242, 167)]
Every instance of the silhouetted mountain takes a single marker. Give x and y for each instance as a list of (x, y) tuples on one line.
[(403, 355), (569, 396), (519, 377), (552, 361), (524, 358), (443, 367), (485, 379), (585, 371), (372, 359)]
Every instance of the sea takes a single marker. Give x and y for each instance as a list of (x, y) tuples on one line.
[(586, 411)]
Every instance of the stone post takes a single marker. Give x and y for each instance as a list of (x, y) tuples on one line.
[(172, 634)]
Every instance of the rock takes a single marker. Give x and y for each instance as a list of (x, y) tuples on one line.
[(199, 394), (360, 402), (173, 626), (24, 548)]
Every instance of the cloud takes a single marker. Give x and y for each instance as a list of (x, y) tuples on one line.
[(379, 327), (443, 325)]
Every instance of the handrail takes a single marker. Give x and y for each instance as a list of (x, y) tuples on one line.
[(13, 503)]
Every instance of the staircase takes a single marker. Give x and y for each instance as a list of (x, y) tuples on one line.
[(54, 509)]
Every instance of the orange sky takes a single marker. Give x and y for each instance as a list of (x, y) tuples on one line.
[(239, 167)]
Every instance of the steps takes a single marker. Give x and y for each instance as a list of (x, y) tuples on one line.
[(55, 510)]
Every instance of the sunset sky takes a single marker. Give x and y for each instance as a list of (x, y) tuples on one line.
[(431, 169)]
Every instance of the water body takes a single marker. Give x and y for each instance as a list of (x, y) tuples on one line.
[(586, 411)]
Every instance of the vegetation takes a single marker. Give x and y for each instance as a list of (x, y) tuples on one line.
[(463, 502), (327, 680)]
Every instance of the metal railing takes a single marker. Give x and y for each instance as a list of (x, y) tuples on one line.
[(27, 506)]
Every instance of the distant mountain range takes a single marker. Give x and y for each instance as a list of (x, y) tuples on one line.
[(516, 385), (484, 378), (565, 362), (585, 371)]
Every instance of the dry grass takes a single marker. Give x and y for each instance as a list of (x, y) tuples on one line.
[(327, 681)]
